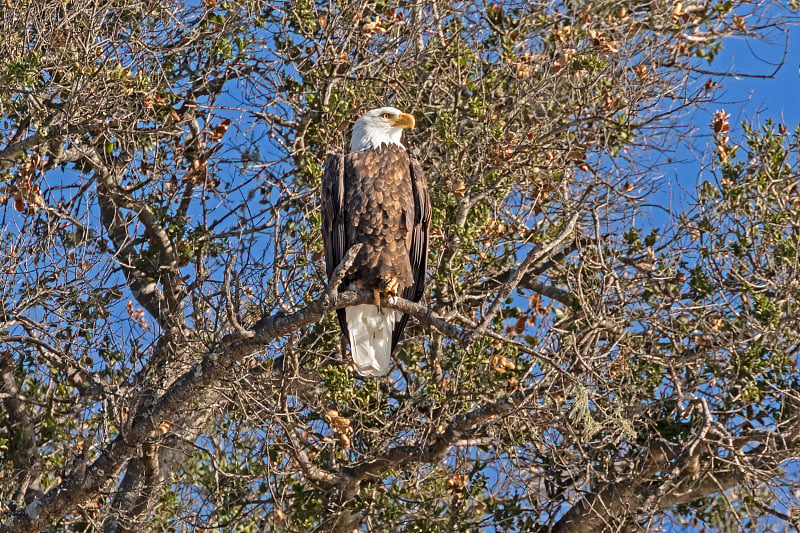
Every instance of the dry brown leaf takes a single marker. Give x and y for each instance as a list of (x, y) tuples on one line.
[(523, 70), (502, 364), (519, 327), (219, 131), (374, 26), (720, 122), (563, 33), (457, 482), (512, 384)]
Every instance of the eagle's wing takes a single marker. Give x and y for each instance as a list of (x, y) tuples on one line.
[(333, 219), (418, 254)]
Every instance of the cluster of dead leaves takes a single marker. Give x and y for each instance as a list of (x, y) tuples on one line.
[(710, 85), (618, 368), (137, 315), (524, 65), (511, 147), (648, 263), (493, 228), (577, 156), (543, 193), (563, 34), (505, 152), (682, 13), (218, 132), (603, 42), (340, 426), (535, 308), (24, 192), (160, 103), (382, 23), (373, 26), (197, 174), (459, 188), (154, 101), (642, 72), (623, 15), (739, 23), (457, 483), (721, 125), (562, 60), (502, 364)]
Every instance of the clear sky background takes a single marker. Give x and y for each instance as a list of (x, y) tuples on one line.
[(777, 98)]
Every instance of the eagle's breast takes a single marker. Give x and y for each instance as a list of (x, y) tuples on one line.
[(379, 203)]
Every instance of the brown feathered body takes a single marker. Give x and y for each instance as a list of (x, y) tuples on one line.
[(379, 214), (376, 197)]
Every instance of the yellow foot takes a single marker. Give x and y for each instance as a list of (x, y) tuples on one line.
[(376, 295), (392, 286)]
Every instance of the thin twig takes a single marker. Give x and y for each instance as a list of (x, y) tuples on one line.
[(232, 316), (532, 259)]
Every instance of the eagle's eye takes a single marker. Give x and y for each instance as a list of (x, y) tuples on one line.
[(387, 115)]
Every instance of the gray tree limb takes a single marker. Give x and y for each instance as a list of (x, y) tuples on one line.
[(143, 427)]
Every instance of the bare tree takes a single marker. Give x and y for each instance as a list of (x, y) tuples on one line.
[(586, 358)]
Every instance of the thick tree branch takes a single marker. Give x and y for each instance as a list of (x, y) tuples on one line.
[(125, 498), (144, 426), (688, 480), (144, 289), (22, 445)]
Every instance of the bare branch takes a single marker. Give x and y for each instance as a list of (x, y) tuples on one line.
[(533, 258), (145, 425)]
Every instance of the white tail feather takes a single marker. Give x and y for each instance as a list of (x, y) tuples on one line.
[(370, 329)]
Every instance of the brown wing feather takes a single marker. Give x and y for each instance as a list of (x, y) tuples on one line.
[(333, 218), (418, 254)]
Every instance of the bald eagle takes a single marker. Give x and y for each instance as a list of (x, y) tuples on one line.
[(376, 195)]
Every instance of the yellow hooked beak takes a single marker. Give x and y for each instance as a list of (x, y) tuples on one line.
[(404, 121)]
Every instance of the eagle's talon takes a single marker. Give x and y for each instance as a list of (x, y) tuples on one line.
[(392, 286)]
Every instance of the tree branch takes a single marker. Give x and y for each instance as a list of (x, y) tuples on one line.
[(687, 481), (22, 446), (143, 427), (461, 427), (533, 258)]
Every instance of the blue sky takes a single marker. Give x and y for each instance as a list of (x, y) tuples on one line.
[(767, 98), (752, 91)]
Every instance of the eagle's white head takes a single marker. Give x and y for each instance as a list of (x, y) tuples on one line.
[(379, 126)]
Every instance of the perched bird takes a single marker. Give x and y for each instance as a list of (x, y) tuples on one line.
[(376, 195)]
